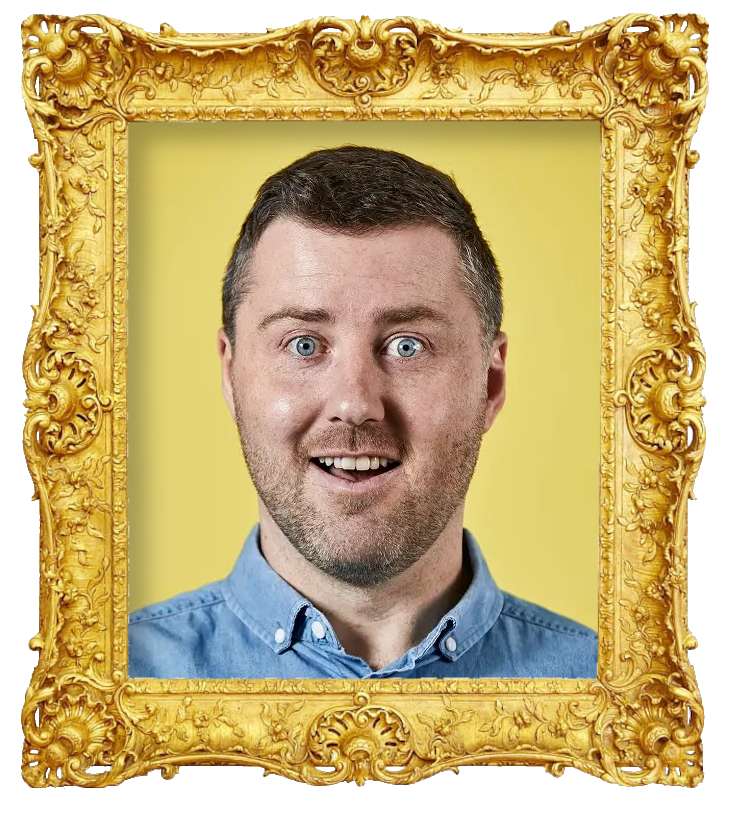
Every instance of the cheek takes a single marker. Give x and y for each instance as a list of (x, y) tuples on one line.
[(269, 401), (278, 411), (442, 417), (448, 402), (283, 408)]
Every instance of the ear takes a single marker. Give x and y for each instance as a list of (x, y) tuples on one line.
[(225, 354), (496, 378)]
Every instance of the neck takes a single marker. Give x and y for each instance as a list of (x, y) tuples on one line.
[(380, 623)]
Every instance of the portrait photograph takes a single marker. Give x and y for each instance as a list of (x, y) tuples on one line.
[(532, 503), (363, 397)]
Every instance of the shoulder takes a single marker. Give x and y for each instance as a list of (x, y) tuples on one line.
[(166, 639), (539, 642), (530, 614), (180, 604)]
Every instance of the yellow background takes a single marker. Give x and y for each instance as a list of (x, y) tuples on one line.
[(533, 502)]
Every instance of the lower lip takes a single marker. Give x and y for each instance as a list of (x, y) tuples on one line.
[(356, 487)]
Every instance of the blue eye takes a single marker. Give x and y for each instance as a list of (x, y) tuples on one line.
[(407, 346), (404, 347), (305, 346)]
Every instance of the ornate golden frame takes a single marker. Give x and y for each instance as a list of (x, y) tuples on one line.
[(84, 79)]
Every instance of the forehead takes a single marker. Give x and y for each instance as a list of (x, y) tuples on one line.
[(293, 261)]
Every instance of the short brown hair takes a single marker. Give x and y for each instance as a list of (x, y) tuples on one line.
[(360, 190)]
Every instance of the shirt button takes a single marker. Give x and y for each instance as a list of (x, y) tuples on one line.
[(450, 644), (280, 636), (318, 630)]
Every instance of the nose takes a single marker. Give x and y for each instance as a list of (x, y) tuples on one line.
[(355, 394)]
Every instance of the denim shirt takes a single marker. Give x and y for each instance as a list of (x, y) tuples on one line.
[(254, 625)]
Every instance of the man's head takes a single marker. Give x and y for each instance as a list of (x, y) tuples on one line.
[(359, 190), (352, 329)]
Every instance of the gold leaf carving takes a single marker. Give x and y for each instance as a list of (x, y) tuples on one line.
[(199, 75), (84, 79), (443, 74), (364, 59), (565, 74), (444, 740), (70, 727), (654, 66), (361, 742), (664, 400), (66, 409), (282, 72), (657, 735), (67, 65)]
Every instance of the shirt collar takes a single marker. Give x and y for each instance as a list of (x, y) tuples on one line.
[(464, 624), (261, 599), (271, 608)]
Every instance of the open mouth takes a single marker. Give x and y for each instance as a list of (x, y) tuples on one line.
[(355, 475)]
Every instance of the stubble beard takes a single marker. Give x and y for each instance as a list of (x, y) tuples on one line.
[(393, 536)]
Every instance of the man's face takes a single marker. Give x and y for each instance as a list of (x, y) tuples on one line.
[(361, 347)]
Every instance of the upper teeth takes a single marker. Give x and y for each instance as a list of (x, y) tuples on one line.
[(355, 462)]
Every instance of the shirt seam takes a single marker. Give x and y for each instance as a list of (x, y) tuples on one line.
[(486, 625), (153, 615), (476, 634), (267, 636), (246, 619), (550, 626)]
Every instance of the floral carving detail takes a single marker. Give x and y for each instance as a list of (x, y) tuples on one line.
[(164, 72), (283, 72), (649, 196), (531, 724), (209, 727), (66, 410), (360, 743), (75, 269), (72, 66), (655, 155), (642, 623), (648, 189), (74, 494), (283, 735), (83, 173), (440, 72), (507, 726), (663, 401), (79, 299), (652, 490), (77, 589), (200, 75), (648, 297), (444, 741), (567, 74), (363, 59), (153, 723), (653, 67)]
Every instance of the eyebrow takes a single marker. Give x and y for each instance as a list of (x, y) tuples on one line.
[(380, 316)]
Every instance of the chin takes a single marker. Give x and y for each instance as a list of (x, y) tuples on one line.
[(362, 561), (360, 573)]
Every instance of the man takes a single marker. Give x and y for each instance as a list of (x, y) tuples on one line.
[(362, 361)]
